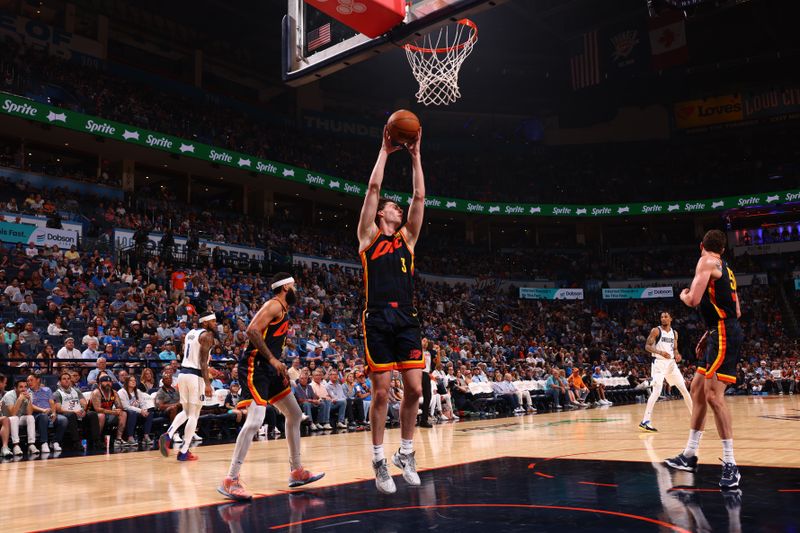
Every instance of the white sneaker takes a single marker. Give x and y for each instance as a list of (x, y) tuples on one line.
[(6, 452), (315, 427), (177, 439), (454, 417), (56, 447), (262, 431), (45, 448), (304, 418), (341, 425), (197, 438), (327, 426), (17, 450), (383, 481), (408, 464), (33, 450), (277, 431)]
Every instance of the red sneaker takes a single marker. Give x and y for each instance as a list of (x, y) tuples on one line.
[(188, 456), (233, 489), (301, 476)]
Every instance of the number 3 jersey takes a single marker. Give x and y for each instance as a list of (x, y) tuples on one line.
[(388, 272)]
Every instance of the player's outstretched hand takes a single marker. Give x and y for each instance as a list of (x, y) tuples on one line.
[(413, 147), (388, 145)]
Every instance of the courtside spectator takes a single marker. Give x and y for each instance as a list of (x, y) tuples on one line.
[(106, 403), (167, 400), (132, 402), (308, 400), (70, 403), (325, 404), (338, 397), (18, 407), (45, 415)]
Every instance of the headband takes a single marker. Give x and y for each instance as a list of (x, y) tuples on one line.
[(282, 282), (206, 318)]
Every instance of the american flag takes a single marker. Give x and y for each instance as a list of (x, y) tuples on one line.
[(585, 62), (318, 37)]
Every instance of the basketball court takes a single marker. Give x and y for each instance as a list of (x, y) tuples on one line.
[(589, 469)]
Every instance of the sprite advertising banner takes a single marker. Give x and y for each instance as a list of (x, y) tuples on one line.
[(532, 293), (638, 294), (28, 109)]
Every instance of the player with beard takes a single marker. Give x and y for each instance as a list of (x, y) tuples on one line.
[(264, 381), (194, 387)]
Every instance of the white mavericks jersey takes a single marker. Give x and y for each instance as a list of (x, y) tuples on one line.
[(191, 349), (666, 343)]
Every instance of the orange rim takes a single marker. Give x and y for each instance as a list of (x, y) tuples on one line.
[(472, 38)]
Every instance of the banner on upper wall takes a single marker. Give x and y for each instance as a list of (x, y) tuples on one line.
[(797, 284), (638, 294), (752, 106), (533, 293), (40, 236), (28, 109), (123, 238), (55, 41)]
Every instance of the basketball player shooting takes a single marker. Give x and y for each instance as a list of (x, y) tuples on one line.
[(713, 289), (266, 382), (195, 386), (663, 346), (392, 339)]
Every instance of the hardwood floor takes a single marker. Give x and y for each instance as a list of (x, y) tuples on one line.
[(57, 492)]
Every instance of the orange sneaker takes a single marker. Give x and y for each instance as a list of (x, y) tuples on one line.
[(233, 489), (301, 476)]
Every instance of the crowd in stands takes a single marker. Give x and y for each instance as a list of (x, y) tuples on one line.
[(91, 348), (518, 171)]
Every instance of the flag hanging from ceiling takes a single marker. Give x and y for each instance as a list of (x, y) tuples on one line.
[(584, 62), (668, 40)]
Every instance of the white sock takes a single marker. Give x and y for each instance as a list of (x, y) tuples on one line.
[(693, 443), (406, 446), (179, 420), (727, 451), (377, 453)]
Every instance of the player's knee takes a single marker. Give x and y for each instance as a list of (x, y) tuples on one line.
[(380, 397), (412, 393)]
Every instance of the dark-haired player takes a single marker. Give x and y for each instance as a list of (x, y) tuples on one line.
[(264, 380), (714, 290), (392, 339), (662, 344)]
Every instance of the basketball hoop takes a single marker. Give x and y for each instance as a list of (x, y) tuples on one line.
[(436, 63)]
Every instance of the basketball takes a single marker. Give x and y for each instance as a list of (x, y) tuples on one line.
[(403, 126)]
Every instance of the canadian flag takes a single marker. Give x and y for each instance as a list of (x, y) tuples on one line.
[(668, 40)]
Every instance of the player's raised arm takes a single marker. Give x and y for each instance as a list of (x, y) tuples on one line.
[(416, 211), (702, 274), (366, 223)]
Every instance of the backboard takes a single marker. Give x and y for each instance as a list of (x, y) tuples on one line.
[(316, 45)]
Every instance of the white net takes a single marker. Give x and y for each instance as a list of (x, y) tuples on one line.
[(436, 63)]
